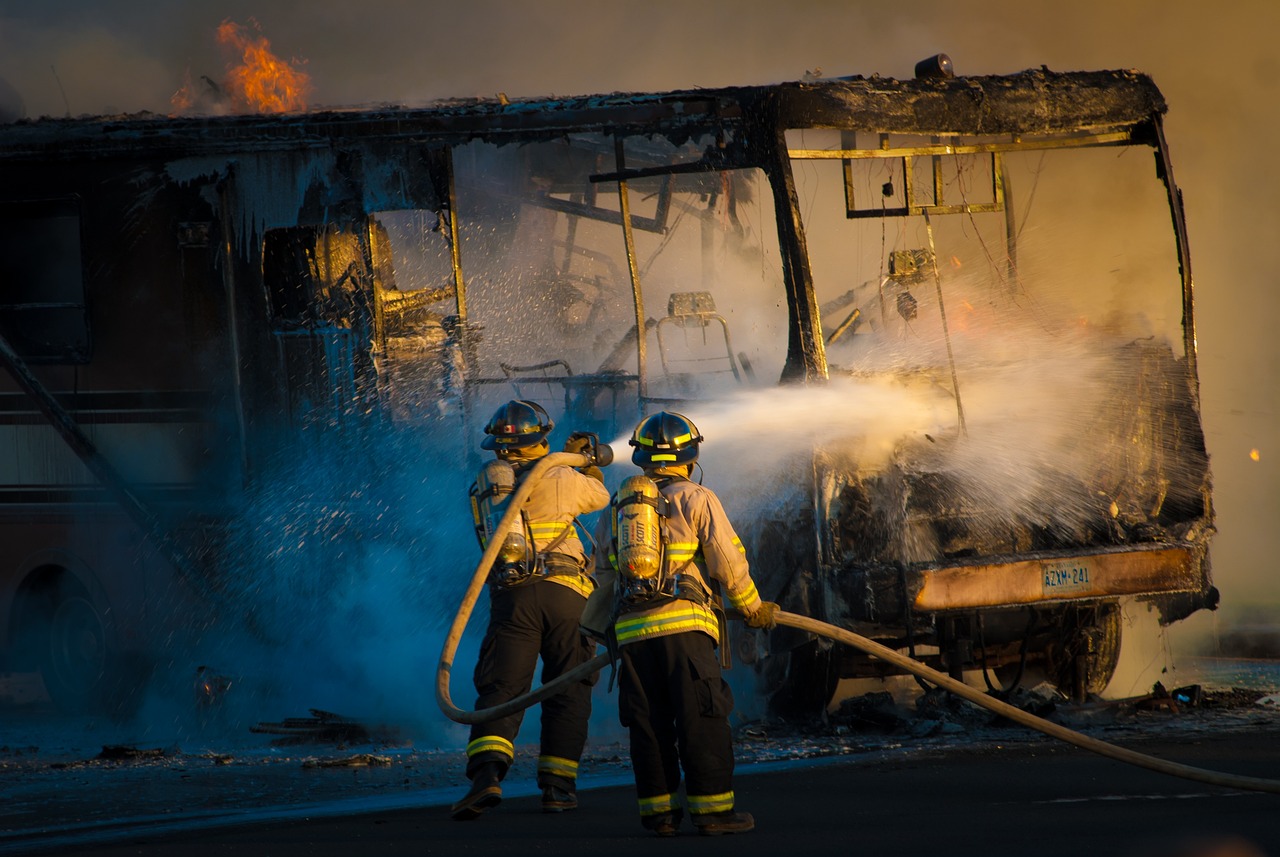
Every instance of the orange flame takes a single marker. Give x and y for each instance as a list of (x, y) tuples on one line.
[(262, 82)]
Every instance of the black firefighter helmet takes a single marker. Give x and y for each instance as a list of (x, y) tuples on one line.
[(517, 424), (665, 438)]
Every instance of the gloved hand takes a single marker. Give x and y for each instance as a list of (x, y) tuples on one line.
[(578, 443), (765, 616)]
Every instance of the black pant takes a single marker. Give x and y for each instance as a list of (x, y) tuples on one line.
[(535, 619), (672, 697)]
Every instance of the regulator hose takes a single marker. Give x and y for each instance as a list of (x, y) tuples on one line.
[(445, 669), (802, 623)]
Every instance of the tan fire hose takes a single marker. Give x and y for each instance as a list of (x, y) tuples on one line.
[(803, 623)]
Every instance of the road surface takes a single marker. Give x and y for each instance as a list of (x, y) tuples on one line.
[(1023, 796)]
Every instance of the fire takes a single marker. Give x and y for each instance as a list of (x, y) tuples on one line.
[(262, 82)]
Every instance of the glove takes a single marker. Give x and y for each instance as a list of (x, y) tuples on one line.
[(578, 443), (765, 616)]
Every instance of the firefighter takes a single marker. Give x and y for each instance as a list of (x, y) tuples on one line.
[(658, 604), (534, 611)]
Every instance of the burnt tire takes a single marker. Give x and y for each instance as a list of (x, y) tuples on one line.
[(82, 671), (1083, 658), (809, 685)]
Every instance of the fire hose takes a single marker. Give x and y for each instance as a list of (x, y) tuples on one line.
[(803, 623)]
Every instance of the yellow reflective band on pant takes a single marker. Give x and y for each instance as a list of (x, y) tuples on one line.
[(659, 804), (491, 744), (704, 804), (579, 583), (680, 616), (745, 597), (567, 768)]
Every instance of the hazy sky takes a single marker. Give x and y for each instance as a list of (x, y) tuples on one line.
[(1216, 64)]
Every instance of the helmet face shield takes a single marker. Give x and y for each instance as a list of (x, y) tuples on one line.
[(516, 425), (665, 438)]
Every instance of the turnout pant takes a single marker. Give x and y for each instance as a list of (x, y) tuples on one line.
[(536, 619), (676, 704)]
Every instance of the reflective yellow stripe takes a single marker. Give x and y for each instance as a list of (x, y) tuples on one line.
[(680, 616), (658, 804), (558, 766), (491, 744), (703, 804), (738, 543), (744, 597), (681, 552), (662, 456), (644, 441), (548, 529), (579, 583)]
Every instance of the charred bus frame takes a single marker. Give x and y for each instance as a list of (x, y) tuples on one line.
[(146, 302)]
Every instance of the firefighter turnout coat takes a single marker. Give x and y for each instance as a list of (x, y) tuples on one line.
[(700, 546)]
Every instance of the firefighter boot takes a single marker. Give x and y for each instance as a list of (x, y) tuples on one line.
[(486, 792), (666, 824), (720, 823), (558, 799)]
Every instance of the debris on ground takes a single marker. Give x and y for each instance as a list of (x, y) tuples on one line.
[(360, 760), (863, 722), (871, 712), (325, 727), (126, 753)]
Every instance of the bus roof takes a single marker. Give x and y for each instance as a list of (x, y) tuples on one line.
[(1033, 102)]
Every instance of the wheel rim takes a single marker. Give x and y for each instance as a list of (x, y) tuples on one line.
[(77, 645)]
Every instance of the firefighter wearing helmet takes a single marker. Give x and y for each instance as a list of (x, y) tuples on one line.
[(670, 549), (537, 590)]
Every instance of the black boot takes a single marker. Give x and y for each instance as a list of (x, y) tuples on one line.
[(720, 823), (486, 792), (665, 824), (556, 798)]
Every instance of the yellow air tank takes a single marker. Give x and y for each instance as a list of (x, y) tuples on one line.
[(639, 537), (489, 498)]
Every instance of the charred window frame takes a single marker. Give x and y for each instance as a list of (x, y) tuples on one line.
[(43, 311)]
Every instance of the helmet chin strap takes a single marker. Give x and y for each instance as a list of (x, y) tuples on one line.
[(525, 453)]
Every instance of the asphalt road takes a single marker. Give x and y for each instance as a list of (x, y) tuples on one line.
[(1037, 797)]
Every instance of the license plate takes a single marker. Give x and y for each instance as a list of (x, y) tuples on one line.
[(1067, 577)]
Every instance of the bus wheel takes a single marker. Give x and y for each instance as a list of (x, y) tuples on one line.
[(75, 664), (809, 685), (1085, 655)]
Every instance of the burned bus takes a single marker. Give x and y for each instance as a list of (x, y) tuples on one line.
[(939, 332)]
